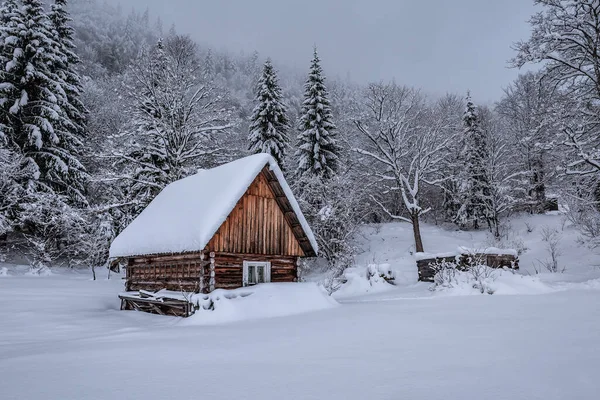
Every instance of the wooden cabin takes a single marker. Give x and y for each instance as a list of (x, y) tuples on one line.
[(231, 226)]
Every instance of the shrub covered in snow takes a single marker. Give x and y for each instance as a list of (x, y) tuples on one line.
[(449, 275), (378, 272), (361, 280), (445, 274), (552, 237)]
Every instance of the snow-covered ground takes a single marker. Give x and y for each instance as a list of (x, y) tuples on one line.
[(63, 337)]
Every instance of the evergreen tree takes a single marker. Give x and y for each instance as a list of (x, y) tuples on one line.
[(35, 103), (208, 69), (10, 18), (66, 68), (474, 187), (318, 149), (269, 122)]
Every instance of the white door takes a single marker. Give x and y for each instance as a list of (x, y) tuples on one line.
[(256, 272)]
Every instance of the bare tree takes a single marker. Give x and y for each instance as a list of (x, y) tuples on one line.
[(566, 38), (504, 174), (527, 113), (176, 116), (406, 140)]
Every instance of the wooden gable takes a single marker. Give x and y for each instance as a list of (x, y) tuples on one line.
[(262, 222)]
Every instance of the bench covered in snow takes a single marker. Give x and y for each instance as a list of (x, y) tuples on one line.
[(156, 303)]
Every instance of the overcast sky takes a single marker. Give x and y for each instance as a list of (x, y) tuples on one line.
[(438, 45)]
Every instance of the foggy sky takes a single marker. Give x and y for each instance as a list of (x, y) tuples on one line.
[(438, 45)]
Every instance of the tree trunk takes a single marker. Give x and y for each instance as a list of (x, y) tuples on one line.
[(538, 185), (414, 217)]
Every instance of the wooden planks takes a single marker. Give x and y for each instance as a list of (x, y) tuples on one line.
[(185, 275), (175, 272), (288, 212), (173, 307), (257, 225)]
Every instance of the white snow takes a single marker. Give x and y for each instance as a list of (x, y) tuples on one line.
[(187, 213), (260, 301), (500, 282), (466, 250), (255, 302), (428, 256), (63, 336), (360, 280)]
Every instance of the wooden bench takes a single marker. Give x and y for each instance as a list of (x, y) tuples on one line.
[(148, 302)]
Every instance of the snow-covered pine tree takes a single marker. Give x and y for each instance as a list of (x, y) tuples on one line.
[(10, 18), (452, 106), (34, 102), (318, 149), (269, 123), (39, 133), (66, 67), (208, 68), (474, 187)]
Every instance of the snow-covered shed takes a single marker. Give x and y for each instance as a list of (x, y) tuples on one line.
[(234, 225)]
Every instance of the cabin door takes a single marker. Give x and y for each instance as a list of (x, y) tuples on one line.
[(255, 272)]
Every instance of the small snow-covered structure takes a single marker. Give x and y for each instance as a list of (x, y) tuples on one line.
[(231, 226), (464, 258)]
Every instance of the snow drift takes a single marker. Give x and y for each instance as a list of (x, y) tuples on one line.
[(260, 301)]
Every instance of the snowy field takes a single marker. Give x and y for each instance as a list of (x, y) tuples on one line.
[(63, 336)]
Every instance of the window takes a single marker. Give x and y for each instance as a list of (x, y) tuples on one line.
[(256, 272)]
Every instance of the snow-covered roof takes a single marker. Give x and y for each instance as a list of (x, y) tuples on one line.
[(187, 213)]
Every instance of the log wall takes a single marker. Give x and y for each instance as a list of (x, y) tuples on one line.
[(426, 266), (184, 272), (228, 268), (257, 225), (181, 272)]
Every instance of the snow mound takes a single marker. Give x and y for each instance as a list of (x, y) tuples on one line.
[(593, 284), (375, 278), (44, 271), (260, 301), (3, 271), (500, 282)]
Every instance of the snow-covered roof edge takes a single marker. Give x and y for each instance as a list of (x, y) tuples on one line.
[(295, 206)]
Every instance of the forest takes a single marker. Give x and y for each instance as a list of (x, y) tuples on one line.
[(101, 109)]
